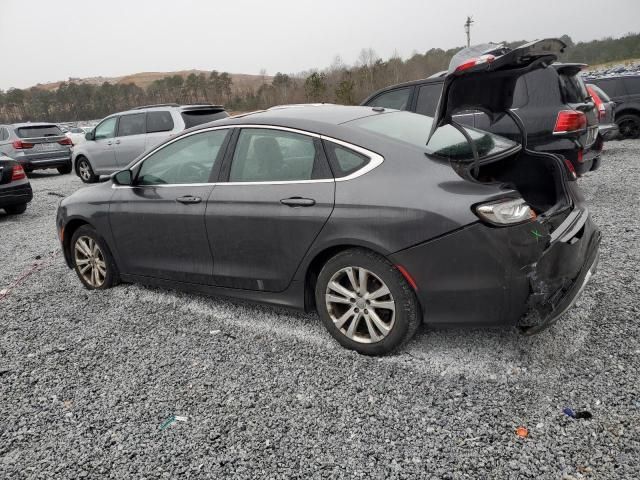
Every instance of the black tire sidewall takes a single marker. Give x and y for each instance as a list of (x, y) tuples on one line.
[(633, 118), (407, 311), (112, 276)]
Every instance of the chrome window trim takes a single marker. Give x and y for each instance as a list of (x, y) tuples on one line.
[(375, 160)]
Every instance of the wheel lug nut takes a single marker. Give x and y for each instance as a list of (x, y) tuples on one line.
[(352, 300), (366, 311), (357, 310)]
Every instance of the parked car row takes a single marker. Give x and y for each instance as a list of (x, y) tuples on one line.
[(377, 218), (624, 91), (552, 103), (111, 145)]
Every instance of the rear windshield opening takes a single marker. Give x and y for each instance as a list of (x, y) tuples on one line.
[(39, 131), (447, 142), (198, 117), (573, 88)]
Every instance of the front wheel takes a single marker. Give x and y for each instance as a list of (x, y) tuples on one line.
[(92, 260), (84, 170), (629, 126), (365, 302)]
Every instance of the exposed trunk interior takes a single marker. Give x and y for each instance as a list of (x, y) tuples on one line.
[(538, 177)]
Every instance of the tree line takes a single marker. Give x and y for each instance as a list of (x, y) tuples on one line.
[(338, 83)]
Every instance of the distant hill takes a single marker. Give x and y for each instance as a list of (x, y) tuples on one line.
[(241, 81)]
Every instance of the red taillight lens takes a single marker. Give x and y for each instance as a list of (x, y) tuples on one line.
[(65, 141), (572, 171), (20, 145), (475, 61), (598, 102), (17, 173), (580, 156), (570, 121)]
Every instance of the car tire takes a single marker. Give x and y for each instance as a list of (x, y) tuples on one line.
[(374, 320), (16, 209), (85, 171), (92, 260), (629, 126), (65, 170)]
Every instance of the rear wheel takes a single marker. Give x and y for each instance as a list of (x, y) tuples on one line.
[(84, 170), (629, 126), (16, 209), (66, 169), (365, 302), (92, 260)]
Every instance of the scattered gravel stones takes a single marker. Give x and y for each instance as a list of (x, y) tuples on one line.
[(87, 378)]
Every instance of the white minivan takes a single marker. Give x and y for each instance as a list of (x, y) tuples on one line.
[(120, 138)]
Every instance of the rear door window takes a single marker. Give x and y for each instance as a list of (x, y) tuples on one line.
[(4, 134), (159, 122), (428, 96), (613, 86), (632, 85), (263, 155), (39, 131), (131, 125), (397, 99)]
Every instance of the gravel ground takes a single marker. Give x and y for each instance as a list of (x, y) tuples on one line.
[(88, 378)]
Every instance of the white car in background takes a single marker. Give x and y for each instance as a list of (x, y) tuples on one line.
[(77, 134)]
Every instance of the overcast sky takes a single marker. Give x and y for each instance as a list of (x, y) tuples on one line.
[(48, 40)]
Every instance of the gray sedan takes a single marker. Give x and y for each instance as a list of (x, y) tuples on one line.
[(346, 211)]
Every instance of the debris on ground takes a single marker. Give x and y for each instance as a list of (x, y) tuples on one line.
[(584, 415), (522, 432), (169, 421)]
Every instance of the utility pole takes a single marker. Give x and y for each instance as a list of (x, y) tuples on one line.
[(467, 29)]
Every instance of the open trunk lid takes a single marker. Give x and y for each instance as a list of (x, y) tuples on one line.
[(484, 78)]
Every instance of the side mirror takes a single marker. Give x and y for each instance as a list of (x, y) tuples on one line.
[(89, 135), (123, 177)]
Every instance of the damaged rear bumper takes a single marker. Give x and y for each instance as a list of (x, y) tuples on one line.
[(526, 275)]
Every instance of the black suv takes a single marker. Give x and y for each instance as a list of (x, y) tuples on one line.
[(625, 92), (553, 103)]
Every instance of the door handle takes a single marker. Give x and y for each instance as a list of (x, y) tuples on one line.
[(109, 142), (298, 202), (117, 142), (188, 199)]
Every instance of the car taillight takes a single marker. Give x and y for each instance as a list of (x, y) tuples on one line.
[(65, 141), (599, 105), (570, 121), (475, 61), (17, 173), (507, 211), (20, 145), (572, 171)]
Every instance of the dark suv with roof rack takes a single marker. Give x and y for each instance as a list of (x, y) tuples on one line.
[(553, 103), (122, 137), (624, 90)]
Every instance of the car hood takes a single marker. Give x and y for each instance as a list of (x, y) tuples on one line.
[(484, 77)]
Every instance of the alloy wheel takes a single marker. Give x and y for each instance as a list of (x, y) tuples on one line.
[(84, 170), (360, 305), (90, 261)]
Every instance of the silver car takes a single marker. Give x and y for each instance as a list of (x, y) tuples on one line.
[(122, 137), (36, 146)]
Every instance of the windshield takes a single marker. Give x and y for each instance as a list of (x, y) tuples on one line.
[(447, 141), (39, 131)]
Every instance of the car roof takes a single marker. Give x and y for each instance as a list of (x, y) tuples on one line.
[(318, 118)]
